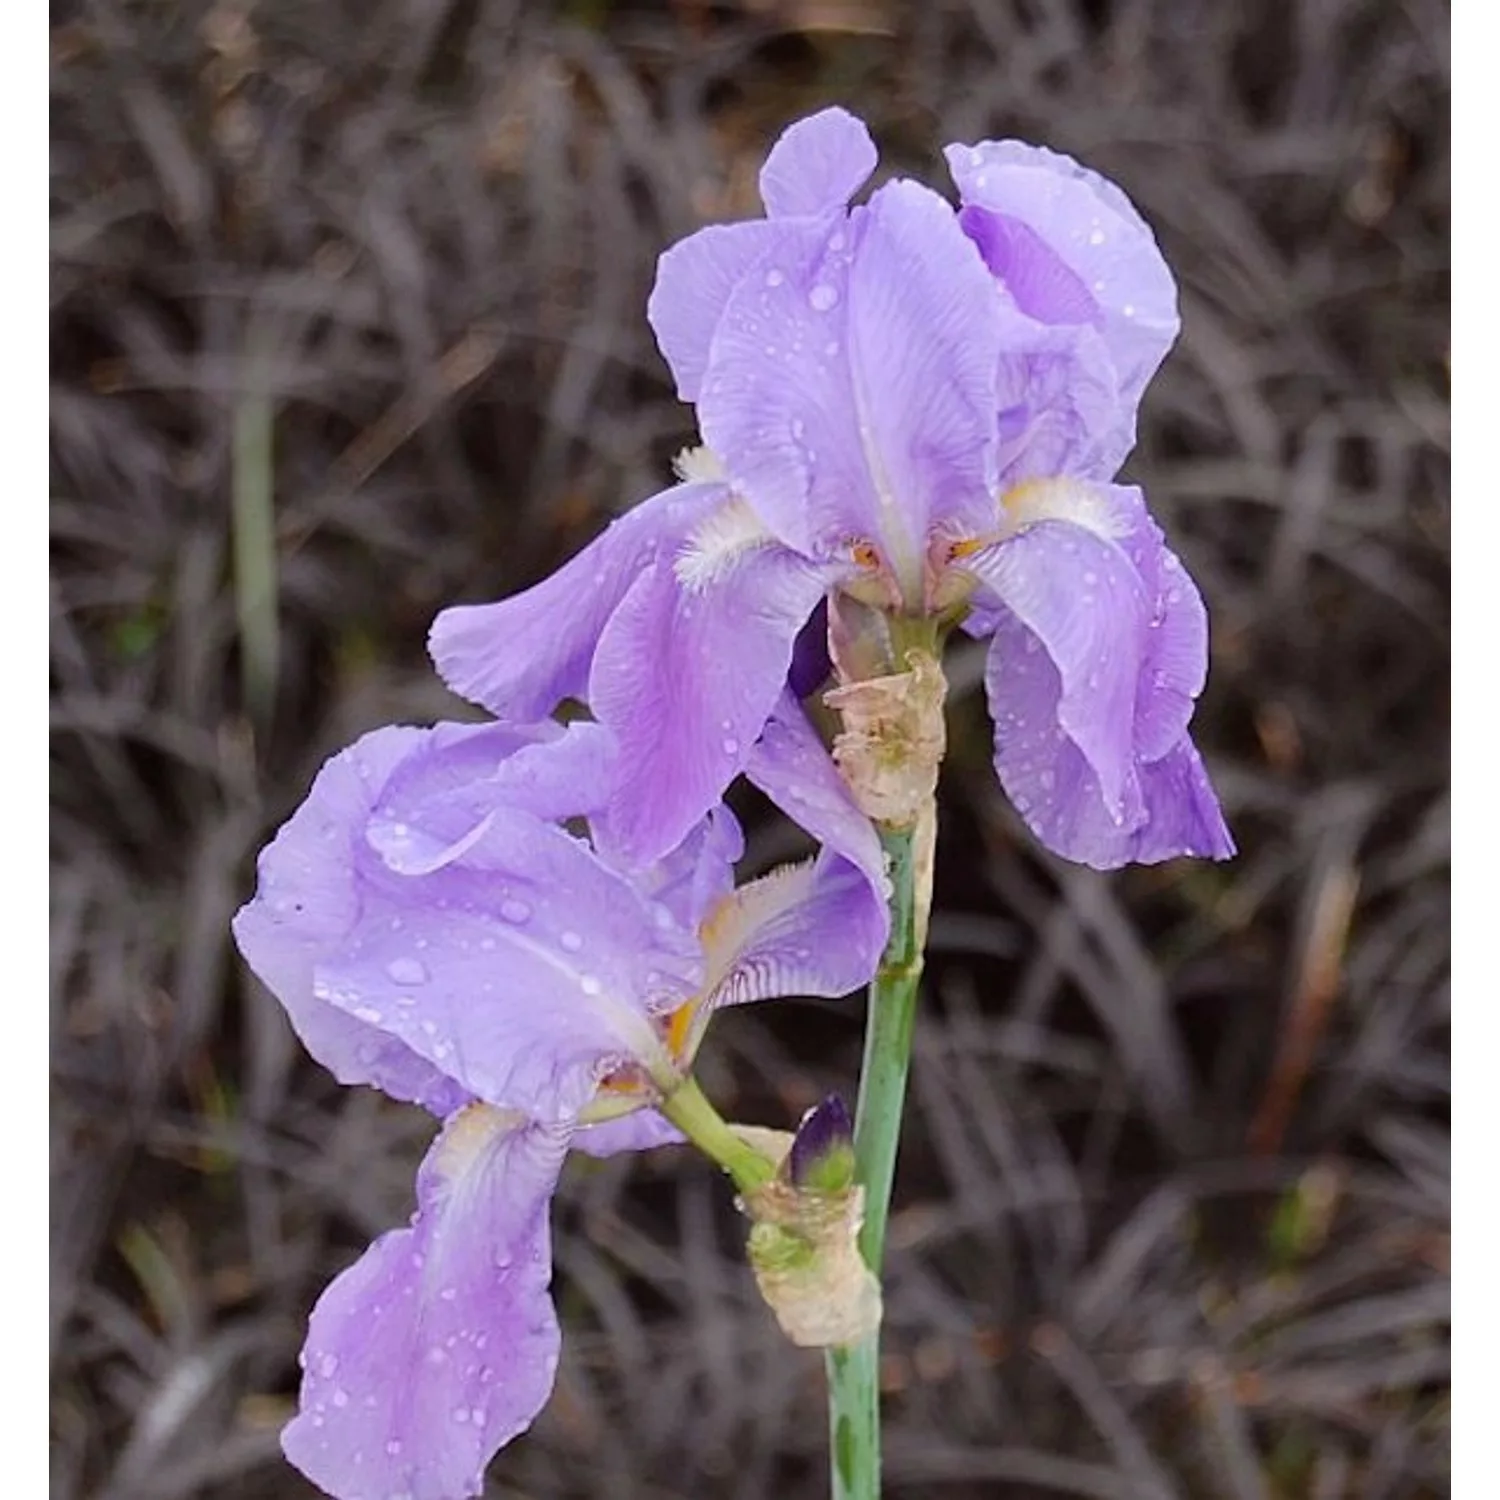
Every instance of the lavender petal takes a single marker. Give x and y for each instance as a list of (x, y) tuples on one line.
[(439, 1345), (520, 657), (1072, 248), (685, 676), (817, 165), (851, 387)]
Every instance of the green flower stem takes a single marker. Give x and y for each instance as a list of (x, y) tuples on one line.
[(687, 1107), (853, 1370)]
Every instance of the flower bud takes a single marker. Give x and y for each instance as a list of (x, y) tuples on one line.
[(804, 1244)]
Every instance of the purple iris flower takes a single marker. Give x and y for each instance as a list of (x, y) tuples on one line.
[(434, 929), (924, 409)]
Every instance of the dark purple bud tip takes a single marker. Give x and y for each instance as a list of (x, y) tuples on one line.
[(822, 1154)]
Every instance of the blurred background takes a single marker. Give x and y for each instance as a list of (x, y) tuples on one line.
[(348, 325)]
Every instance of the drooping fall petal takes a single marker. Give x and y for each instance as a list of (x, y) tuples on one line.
[(521, 656), (440, 1343)]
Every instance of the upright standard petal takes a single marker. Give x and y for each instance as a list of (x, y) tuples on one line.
[(438, 801), (306, 904), (817, 165), (694, 280), (440, 1343), (525, 967), (685, 676), (442, 958), (851, 387), (811, 172), (1057, 404), (522, 656), (1071, 248)]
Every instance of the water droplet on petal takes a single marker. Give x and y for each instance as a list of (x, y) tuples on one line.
[(571, 941), (393, 1447), (589, 985), (822, 297), (407, 971), (731, 746), (1097, 237), (774, 277), (515, 911), (340, 1396), (328, 1365)]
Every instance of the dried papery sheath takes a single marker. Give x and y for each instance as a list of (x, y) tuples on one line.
[(892, 740)]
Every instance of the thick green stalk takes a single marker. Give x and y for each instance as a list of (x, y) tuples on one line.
[(853, 1370), (687, 1107)]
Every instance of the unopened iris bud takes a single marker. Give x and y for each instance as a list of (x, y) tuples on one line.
[(804, 1246), (822, 1156)]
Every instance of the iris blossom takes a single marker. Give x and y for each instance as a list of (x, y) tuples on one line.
[(922, 409), (433, 929)]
